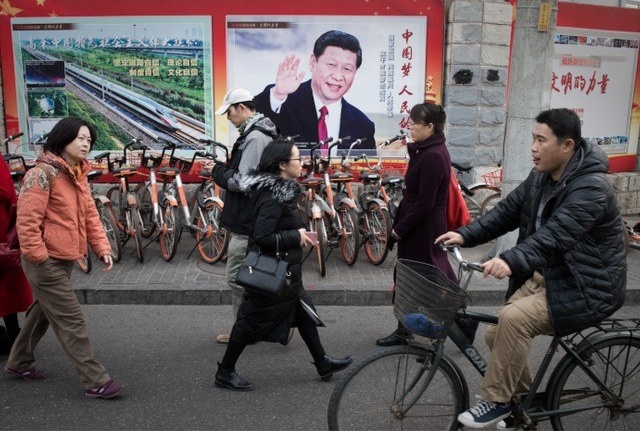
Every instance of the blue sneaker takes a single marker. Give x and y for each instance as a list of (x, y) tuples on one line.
[(485, 413)]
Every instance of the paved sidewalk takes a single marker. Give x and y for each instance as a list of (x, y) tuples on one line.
[(189, 281)]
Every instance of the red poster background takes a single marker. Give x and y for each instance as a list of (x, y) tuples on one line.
[(218, 10)]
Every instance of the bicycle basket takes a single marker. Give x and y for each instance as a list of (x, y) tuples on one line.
[(493, 178), (425, 300)]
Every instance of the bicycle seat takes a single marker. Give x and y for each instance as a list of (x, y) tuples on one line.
[(124, 171), (462, 166), (340, 177), (168, 170), (17, 175), (369, 177), (310, 182), (392, 181), (95, 173)]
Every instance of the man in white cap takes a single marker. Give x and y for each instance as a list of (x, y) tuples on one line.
[(256, 132)]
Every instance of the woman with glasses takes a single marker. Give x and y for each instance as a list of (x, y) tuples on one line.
[(275, 193)]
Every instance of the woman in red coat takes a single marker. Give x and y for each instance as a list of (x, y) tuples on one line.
[(15, 292)]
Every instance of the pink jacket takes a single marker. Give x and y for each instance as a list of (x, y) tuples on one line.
[(56, 220)]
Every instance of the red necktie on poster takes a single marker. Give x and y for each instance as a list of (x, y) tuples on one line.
[(322, 127)]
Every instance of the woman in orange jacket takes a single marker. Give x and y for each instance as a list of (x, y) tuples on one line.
[(56, 219)]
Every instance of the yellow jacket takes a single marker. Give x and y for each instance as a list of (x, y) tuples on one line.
[(56, 213)]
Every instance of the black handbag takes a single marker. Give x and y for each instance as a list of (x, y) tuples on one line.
[(265, 275)]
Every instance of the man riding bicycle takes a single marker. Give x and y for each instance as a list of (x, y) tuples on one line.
[(568, 269)]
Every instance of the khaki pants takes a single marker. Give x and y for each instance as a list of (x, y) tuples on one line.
[(57, 305), (236, 252), (523, 316)]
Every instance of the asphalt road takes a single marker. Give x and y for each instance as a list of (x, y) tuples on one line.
[(166, 358)]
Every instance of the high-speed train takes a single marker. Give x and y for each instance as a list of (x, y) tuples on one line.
[(136, 103)]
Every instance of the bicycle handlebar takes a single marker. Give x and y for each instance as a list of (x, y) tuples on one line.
[(218, 145), (401, 135), (5, 143), (454, 250), (12, 137)]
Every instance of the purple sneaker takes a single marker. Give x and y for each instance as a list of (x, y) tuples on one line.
[(111, 389), (32, 375)]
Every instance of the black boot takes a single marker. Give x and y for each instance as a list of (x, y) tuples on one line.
[(397, 337), (328, 365), (5, 341), (229, 379)]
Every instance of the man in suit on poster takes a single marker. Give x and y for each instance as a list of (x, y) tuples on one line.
[(315, 109)]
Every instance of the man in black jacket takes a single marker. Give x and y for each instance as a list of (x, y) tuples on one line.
[(256, 132), (568, 269)]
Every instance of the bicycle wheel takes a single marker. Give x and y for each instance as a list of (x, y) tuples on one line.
[(84, 263), (369, 396), (211, 246), (350, 235), (115, 196), (480, 193), (146, 209), (616, 361), (377, 235), (136, 224), (489, 203), (111, 229), (168, 235), (317, 226)]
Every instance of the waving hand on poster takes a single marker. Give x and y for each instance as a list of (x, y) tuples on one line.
[(288, 79)]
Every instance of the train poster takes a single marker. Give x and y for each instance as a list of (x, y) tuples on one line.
[(159, 72), (128, 74)]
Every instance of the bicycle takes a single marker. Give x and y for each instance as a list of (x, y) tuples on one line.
[(17, 173), (206, 207), (158, 208), (339, 220), (594, 386), (107, 218), (480, 197), (311, 208), (105, 210), (173, 195), (124, 200), (374, 220)]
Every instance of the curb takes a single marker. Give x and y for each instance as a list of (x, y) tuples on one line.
[(347, 297)]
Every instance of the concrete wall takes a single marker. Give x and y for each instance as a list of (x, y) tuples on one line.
[(476, 73)]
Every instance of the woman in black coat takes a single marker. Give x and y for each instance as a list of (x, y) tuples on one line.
[(422, 214), (275, 193)]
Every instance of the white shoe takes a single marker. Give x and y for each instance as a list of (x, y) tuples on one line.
[(484, 414), (507, 424)]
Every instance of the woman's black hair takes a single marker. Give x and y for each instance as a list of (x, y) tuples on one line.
[(64, 132), (425, 113), (279, 150)]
